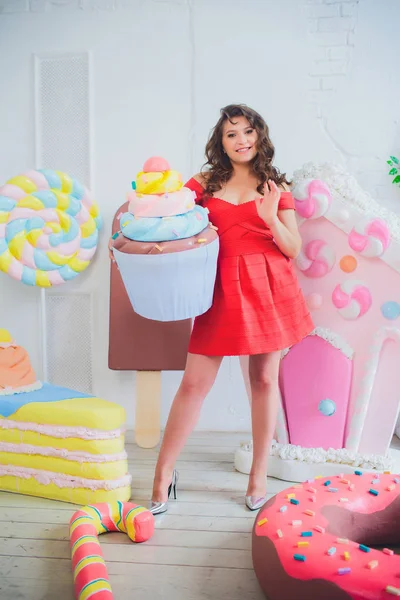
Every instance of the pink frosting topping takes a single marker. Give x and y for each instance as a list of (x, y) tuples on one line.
[(64, 481), (61, 453), (61, 431)]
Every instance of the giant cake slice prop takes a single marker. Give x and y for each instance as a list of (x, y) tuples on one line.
[(166, 253), (55, 442)]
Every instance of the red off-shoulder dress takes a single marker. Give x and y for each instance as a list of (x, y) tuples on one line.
[(258, 305)]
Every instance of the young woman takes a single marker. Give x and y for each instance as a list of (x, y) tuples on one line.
[(258, 307)]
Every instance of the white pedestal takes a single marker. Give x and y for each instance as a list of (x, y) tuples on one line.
[(298, 470)]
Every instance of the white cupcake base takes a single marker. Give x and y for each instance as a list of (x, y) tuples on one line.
[(172, 286)]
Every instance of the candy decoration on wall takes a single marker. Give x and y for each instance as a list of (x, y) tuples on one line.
[(348, 264), (314, 301), (316, 259), (390, 310), (90, 572), (312, 198), (352, 299), (394, 163), (327, 407), (367, 382), (370, 237), (49, 227)]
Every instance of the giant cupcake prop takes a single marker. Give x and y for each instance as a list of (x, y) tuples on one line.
[(166, 249)]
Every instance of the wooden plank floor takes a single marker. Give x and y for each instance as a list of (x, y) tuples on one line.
[(201, 548)]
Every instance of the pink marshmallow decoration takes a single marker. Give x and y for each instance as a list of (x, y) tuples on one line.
[(55, 278), (82, 216), (314, 301), (370, 237), (86, 253), (352, 299), (15, 269), (28, 256), (38, 179), (12, 191), (312, 198), (317, 259)]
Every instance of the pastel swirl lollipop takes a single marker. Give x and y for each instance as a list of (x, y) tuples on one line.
[(352, 299), (153, 229), (370, 237), (49, 227), (317, 259), (312, 198)]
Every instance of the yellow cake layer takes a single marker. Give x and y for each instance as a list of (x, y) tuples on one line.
[(83, 496), (109, 470), (92, 413), (15, 436)]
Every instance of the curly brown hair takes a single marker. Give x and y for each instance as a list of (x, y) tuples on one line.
[(218, 165)]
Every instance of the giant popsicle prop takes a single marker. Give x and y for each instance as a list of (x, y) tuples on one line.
[(166, 258)]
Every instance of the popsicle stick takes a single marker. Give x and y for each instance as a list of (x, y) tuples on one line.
[(148, 408)]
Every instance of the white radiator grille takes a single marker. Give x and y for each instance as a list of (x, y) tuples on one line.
[(69, 340), (62, 89)]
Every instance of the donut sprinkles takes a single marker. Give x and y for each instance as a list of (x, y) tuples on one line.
[(314, 540)]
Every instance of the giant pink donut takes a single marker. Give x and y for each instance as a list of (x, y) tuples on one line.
[(313, 541), (370, 237), (352, 299), (312, 198), (316, 259)]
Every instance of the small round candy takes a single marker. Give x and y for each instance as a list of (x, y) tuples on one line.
[(314, 301), (327, 407), (390, 310), (348, 264)]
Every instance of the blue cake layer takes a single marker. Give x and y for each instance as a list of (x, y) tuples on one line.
[(48, 393)]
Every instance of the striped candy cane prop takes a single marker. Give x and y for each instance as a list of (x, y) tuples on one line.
[(89, 569)]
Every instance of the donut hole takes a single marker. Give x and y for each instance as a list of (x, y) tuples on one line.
[(380, 529)]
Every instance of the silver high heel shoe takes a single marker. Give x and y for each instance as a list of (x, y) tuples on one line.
[(161, 507), (255, 503)]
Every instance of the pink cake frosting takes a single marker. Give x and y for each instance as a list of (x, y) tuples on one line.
[(80, 457), (307, 529), (61, 431), (161, 205), (16, 372), (64, 481)]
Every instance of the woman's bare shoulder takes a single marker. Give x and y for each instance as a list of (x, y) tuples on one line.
[(284, 187), (201, 178)]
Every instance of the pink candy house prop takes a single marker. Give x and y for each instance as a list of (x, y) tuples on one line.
[(340, 386)]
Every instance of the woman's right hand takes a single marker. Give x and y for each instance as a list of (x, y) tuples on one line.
[(110, 250)]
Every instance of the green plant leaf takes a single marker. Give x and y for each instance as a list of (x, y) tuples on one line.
[(393, 171), (395, 160), (396, 179)]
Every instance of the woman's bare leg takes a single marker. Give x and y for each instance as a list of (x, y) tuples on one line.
[(264, 382), (198, 379)]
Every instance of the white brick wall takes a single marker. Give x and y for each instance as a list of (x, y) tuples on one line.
[(332, 30), (12, 6), (17, 6)]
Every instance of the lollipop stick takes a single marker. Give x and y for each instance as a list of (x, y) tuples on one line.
[(148, 408), (43, 322)]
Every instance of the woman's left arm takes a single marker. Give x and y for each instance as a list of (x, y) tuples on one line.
[(282, 223), (285, 233)]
